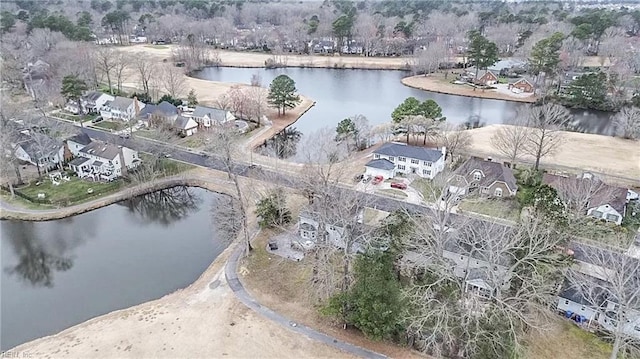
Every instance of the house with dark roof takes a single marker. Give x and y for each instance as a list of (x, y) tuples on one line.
[(392, 158), (208, 116), (39, 150), (603, 201), (484, 177), (521, 85), (164, 111), (103, 161), (75, 143)]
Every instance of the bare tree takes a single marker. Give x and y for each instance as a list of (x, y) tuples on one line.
[(429, 58), (173, 81), (544, 133), (509, 141), (609, 281), (456, 139), (627, 123), (106, 63), (384, 132), (224, 143), (257, 103), (581, 193), (478, 286), (239, 100), (146, 69), (121, 64)]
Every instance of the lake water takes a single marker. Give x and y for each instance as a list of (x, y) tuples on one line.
[(60, 273), (375, 93)]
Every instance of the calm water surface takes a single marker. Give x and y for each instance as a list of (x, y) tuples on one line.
[(375, 93), (60, 273)]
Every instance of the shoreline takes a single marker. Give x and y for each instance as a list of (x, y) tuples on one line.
[(429, 84)]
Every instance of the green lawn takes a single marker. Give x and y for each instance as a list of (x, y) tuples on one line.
[(69, 192), (429, 189), (393, 193), (108, 125), (75, 118), (500, 208)]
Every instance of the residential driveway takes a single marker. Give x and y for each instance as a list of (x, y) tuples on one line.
[(413, 196), (285, 250)]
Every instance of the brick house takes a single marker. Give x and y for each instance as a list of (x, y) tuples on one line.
[(487, 78), (521, 86)]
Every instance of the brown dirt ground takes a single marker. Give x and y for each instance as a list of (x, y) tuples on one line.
[(253, 59), (614, 157), (437, 83)]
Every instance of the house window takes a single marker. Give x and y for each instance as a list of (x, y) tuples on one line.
[(498, 192), (401, 167), (414, 161), (566, 302), (427, 163), (392, 159), (426, 172), (612, 217), (477, 176), (597, 214), (583, 308), (376, 156), (402, 159)]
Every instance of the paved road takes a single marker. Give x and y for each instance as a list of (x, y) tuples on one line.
[(231, 274)]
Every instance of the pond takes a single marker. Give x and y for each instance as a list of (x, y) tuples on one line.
[(340, 93), (59, 273)]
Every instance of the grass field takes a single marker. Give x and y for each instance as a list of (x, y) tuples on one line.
[(108, 125), (430, 191), (158, 47), (506, 209), (566, 341), (393, 193), (69, 192)]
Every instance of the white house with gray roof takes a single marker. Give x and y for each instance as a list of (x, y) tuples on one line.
[(121, 108), (102, 161), (207, 116), (393, 158)]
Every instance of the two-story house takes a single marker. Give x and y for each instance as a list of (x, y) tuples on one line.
[(484, 177), (94, 101), (602, 201), (392, 158), (39, 150), (102, 161), (75, 143), (162, 112), (121, 108), (207, 116)]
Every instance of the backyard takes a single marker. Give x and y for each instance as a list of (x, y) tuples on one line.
[(75, 118), (68, 192)]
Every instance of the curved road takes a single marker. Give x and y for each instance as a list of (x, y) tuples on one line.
[(231, 274)]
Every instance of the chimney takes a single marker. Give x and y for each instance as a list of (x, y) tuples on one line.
[(444, 152), (489, 159), (136, 105)]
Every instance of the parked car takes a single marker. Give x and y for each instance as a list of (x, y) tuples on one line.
[(125, 135), (398, 185), (358, 178), (97, 119), (366, 179), (377, 179)]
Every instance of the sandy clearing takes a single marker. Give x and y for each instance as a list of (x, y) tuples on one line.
[(437, 83), (603, 154)]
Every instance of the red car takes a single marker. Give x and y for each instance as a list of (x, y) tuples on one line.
[(377, 179), (398, 185)]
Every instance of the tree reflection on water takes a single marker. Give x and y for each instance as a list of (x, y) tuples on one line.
[(41, 253), (164, 207), (283, 145)]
